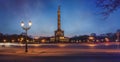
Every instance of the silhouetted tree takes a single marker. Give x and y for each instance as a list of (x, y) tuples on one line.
[(108, 6)]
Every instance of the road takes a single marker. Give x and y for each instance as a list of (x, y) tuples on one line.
[(60, 53)]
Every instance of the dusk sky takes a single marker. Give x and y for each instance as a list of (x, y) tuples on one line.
[(78, 17)]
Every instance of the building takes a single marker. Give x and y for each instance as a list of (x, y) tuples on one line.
[(59, 33), (118, 35)]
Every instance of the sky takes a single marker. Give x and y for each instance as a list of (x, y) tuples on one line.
[(78, 17)]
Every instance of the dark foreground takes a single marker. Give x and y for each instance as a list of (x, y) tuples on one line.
[(82, 57)]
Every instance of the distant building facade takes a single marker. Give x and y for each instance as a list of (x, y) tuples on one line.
[(118, 35)]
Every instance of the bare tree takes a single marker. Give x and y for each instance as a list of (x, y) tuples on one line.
[(108, 6)]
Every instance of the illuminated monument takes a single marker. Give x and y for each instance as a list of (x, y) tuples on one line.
[(59, 33)]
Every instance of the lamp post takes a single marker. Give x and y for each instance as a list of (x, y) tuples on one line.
[(26, 28)]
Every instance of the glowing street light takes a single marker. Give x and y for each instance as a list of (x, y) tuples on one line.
[(91, 38), (13, 41), (4, 40), (22, 24), (30, 23), (26, 28)]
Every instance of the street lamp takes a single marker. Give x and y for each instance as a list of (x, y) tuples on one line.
[(26, 28)]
